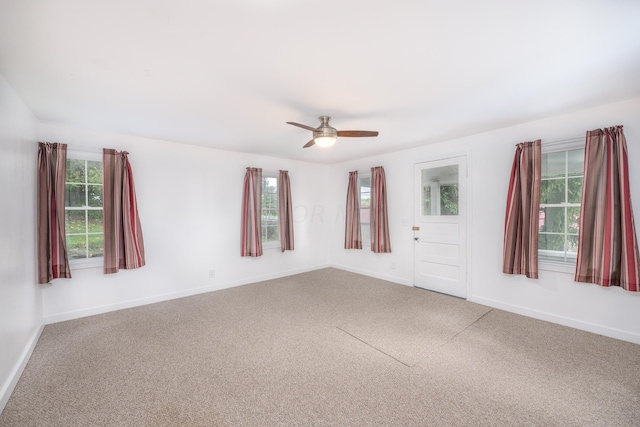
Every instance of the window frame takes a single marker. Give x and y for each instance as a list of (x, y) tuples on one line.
[(568, 266), (276, 243), (94, 262)]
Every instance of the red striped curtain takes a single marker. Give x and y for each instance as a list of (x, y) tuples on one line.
[(520, 253), (352, 233), (52, 246), (123, 243), (380, 241), (607, 244), (251, 239), (285, 213)]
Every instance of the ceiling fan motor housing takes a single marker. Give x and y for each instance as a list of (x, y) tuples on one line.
[(324, 130)]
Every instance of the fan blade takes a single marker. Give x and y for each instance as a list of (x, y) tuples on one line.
[(309, 144), (303, 126), (353, 133)]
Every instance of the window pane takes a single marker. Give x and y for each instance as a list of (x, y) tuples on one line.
[(76, 247), (551, 242), (269, 215), (95, 196), (551, 247), (426, 200), (365, 216), (94, 172), (572, 248), (269, 192), (270, 232), (365, 199), (365, 229), (95, 221), (74, 222), (573, 220), (575, 189), (270, 224), (96, 245), (75, 170), (576, 162), (553, 164), (365, 205), (449, 199), (551, 220), (74, 196), (552, 191)]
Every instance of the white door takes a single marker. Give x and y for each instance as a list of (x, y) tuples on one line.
[(440, 226)]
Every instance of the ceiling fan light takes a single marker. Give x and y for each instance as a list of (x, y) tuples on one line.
[(325, 141)]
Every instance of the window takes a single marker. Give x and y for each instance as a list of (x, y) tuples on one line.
[(440, 191), (270, 211), (560, 195), (365, 212), (83, 208)]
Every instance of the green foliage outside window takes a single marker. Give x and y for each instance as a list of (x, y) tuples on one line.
[(270, 210), (560, 195), (83, 209), (449, 199)]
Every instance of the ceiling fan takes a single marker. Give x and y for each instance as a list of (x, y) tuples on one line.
[(325, 135)]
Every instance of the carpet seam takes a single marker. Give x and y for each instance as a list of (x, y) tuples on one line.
[(373, 347), (471, 324)]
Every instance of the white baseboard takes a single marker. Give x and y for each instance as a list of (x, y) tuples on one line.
[(561, 320), (374, 275), (71, 315), (14, 377)]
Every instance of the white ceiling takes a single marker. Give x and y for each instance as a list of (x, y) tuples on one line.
[(230, 73)]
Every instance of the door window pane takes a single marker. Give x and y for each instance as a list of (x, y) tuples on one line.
[(449, 199), (440, 191)]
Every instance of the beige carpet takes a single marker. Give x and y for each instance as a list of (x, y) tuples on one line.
[(326, 348)]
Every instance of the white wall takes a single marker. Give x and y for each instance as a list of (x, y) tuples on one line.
[(555, 296), (189, 199), (20, 296)]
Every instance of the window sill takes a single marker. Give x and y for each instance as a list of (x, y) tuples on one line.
[(560, 267), (81, 264)]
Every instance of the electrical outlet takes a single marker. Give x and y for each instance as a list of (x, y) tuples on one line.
[(212, 274), (393, 265)]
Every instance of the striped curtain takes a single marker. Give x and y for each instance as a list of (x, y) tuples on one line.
[(379, 219), (251, 239), (123, 243), (285, 213), (352, 233), (52, 246), (607, 245), (520, 254)]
